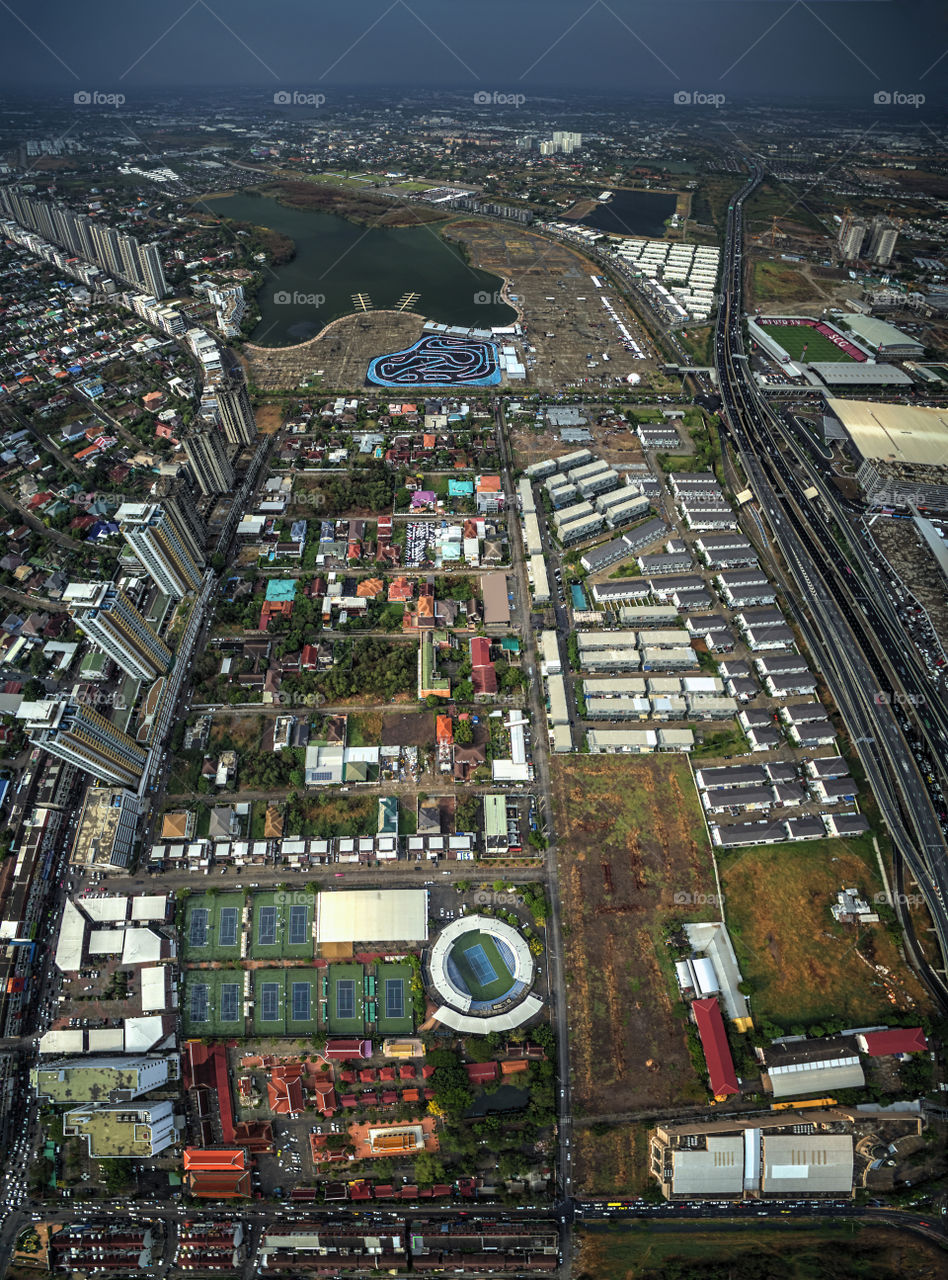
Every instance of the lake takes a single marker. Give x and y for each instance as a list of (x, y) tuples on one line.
[(506, 1098), (633, 213), (336, 258)]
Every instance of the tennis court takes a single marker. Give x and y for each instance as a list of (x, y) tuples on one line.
[(212, 1004), (229, 920), (395, 1004), (346, 1002), (299, 925), (481, 967), (282, 927), (266, 927), (212, 927), (271, 1002), (230, 1001), (197, 930), (285, 1002)]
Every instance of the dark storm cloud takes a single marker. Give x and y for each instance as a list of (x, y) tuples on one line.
[(776, 48)]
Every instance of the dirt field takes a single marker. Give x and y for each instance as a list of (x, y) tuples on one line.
[(269, 418), (241, 731), (616, 445), (614, 1163), (803, 965), (341, 353), (555, 295), (630, 838), (411, 729)]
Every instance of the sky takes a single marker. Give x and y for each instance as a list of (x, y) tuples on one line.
[(797, 50)]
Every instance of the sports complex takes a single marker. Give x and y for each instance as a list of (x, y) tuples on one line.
[(804, 339), (482, 972), (438, 360)]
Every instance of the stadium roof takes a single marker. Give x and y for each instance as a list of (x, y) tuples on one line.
[(807, 1163), (851, 373), (895, 432), (372, 915), (879, 333)]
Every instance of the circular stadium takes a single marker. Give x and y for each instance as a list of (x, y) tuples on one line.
[(482, 972)]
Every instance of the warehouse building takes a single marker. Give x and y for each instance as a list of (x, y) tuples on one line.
[(654, 659), (559, 707), (372, 915)]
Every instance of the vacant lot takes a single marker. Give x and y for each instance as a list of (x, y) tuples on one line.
[(804, 966), (612, 1163), (631, 840), (791, 1252), (410, 729), (235, 733)]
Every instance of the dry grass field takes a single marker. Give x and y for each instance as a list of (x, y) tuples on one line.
[(630, 838)]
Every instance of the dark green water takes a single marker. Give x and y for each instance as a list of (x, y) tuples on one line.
[(335, 259)]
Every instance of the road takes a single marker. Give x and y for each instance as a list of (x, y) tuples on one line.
[(544, 783)]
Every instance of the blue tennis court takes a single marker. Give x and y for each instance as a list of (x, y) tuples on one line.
[(484, 971), (301, 997), (345, 998), (199, 1008), (299, 920), (197, 934), (230, 1001), (266, 926), (227, 932), (270, 1002), (394, 998)]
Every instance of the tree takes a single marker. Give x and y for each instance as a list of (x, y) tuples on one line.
[(463, 733)]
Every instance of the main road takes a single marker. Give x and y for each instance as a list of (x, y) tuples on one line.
[(857, 672)]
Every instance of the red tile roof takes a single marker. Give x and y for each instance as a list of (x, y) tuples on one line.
[(895, 1040), (717, 1051)]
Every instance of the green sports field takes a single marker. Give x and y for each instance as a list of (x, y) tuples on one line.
[(395, 995), (794, 337), (203, 1003), (352, 976), (481, 991), (274, 1007), (275, 916), (202, 920)]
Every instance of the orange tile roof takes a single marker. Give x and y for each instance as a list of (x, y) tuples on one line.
[(369, 588), (201, 1158)]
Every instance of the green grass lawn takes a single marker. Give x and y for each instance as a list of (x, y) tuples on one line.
[(793, 338), (491, 990)]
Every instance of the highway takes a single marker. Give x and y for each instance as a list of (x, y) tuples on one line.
[(834, 623)]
